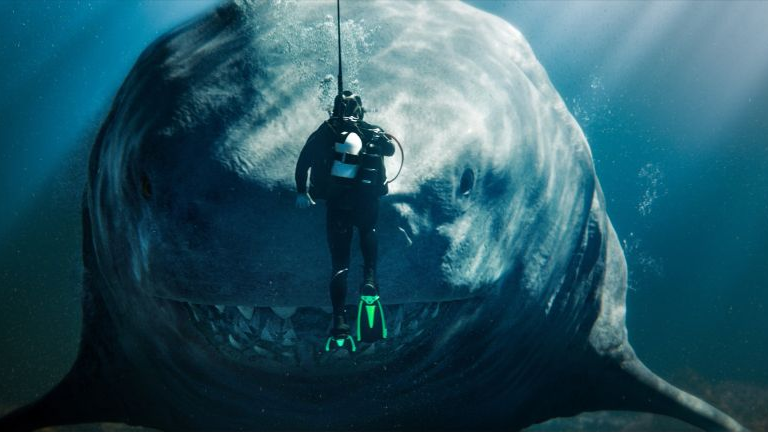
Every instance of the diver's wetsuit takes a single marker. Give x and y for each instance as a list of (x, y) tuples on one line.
[(347, 206), (344, 211)]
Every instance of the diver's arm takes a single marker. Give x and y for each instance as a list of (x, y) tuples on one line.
[(302, 166), (304, 201), (307, 155)]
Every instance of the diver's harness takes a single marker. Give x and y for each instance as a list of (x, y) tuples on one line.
[(357, 162)]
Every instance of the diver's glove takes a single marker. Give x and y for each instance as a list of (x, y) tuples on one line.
[(304, 201)]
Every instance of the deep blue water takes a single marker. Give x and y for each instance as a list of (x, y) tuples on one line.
[(672, 96)]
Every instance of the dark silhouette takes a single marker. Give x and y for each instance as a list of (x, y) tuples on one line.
[(345, 155)]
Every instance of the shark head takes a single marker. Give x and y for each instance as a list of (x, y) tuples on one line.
[(207, 291), (192, 188)]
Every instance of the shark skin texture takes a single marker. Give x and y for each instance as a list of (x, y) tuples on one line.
[(205, 302)]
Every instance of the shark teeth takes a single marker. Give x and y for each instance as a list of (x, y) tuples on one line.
[(284, 312), (436, 311), (261, 351), (270, 331), (285, 336), (235, 344), (277, 323), (246, 311), (399, 321), (289, 334)]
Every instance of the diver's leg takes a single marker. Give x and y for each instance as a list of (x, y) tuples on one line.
[(339, 233), (367, 216), (370, 325), (369, 247)]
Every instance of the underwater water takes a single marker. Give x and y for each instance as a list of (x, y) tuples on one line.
[(671, 96)]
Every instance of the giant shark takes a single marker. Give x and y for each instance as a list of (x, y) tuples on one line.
[(205, 302)]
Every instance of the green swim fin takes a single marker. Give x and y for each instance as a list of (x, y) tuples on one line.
[(371, 325), (340, 337), (340, 342)]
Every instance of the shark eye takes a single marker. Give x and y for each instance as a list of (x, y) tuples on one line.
[(467, 182), (146, 186)]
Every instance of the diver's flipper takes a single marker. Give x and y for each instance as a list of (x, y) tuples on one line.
[(370, 316), (342, 341), (340, 337)]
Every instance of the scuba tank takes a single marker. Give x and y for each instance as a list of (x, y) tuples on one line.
[(345, 169), (346, 156), (357, 163)]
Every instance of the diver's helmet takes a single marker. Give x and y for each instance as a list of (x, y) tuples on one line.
[(348, 105), (346, 161)]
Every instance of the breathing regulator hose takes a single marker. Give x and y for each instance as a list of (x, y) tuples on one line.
[(402, 156)]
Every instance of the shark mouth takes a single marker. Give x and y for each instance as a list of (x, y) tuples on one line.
[(292, 339)]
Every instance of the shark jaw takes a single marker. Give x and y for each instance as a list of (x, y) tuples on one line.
[(291, 340)]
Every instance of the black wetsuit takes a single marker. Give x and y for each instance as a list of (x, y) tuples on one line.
[(347, 205)]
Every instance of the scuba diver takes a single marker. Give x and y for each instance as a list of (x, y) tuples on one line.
[(346, 158)]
